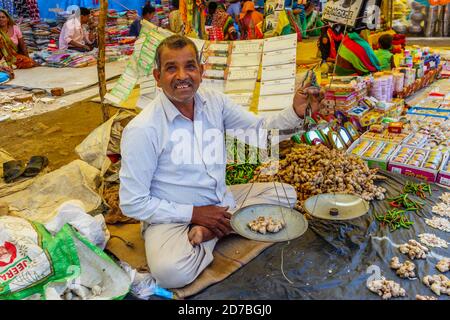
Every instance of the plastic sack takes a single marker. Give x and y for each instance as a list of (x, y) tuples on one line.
[(31, 257), (97, 278), (144, 285), (74, 213), (36, 265)]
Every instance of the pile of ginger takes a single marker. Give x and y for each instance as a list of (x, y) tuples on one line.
[(317, 169)]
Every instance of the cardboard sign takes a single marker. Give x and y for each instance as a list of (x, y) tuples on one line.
[(343, 11)]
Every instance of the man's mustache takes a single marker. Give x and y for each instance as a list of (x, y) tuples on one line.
[(182, 82)]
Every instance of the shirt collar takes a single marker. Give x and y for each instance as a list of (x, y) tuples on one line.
[(172, 112)]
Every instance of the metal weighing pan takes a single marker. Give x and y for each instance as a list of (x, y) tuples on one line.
[(348, 206), (296, 223)]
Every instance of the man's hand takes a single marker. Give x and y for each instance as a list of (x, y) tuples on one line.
[(301, 100), (199, 234), (215, 218)]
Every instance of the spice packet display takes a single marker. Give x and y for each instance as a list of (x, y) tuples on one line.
[(417, 162), (416, 139), (437, 134), (369, 149), (418, 157), (429, 112), (444, 173), (385, 136)]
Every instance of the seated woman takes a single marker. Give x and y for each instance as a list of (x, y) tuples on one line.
[(251, 22), (12, 46), (221, 20), (356, 57)]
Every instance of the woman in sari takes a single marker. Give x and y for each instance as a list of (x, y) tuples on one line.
[(356, 56), (222, 20), (251, 22), (12, 46)]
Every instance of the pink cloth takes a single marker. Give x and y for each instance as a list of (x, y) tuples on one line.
[(17, 35), (71, 30)]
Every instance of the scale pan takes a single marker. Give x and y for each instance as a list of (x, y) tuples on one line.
[(348, 206), (296, 223)]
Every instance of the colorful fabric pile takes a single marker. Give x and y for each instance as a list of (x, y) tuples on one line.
[(25, 9), (118, 43), (162, 11), (71, 59), (357, 52), (38, 34)]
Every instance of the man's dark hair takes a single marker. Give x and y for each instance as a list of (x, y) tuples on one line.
[(85, 11), (176, 4), (212, 7), (147, 10), (385, 41), (174, 42)]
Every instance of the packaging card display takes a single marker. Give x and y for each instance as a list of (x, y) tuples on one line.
[(275, 102), (123, 87), (220, 60), (218, 85), (280, 43), (240, 86), (242, 99), (214, 73), (140, 64), (199, 43), (284, 86), (247, 46), (241, 73), (279, 57), (278, 72), (215, 57), (245, 59), (216, 47)]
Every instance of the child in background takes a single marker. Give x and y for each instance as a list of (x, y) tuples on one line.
[(384, 54)]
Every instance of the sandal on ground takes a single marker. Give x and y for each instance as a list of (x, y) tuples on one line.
[(35, 165), (12, 170)]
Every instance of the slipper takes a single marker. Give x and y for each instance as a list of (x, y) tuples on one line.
[(35, 165), (12, 170)]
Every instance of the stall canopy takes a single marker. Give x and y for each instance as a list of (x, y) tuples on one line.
[(45, 5)]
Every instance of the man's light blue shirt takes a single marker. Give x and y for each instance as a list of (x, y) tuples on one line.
[(163, 173)]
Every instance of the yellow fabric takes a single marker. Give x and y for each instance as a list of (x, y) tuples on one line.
[(283, 21)]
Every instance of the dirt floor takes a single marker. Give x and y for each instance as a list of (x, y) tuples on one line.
[(53, 134)]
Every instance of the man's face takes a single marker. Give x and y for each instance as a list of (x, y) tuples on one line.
[(84, 19), (180, 74), (149, 16)]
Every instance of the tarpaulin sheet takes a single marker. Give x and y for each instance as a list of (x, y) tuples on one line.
[(331, 260), (45, 5)]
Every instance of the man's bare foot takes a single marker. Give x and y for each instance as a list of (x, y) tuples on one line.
[(199, 234)]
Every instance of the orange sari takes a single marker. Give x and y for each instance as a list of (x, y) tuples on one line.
[(9, 51), (251, 22)]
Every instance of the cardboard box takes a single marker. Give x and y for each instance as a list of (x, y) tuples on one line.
[(373, 162), (413, 171), (444, 176)]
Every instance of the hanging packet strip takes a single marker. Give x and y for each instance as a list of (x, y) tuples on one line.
[(278, 72), (123, 87)]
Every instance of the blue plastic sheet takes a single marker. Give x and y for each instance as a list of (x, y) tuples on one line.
[(45, 5)]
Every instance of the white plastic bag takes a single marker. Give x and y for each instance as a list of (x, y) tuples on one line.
[(74, 213)]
